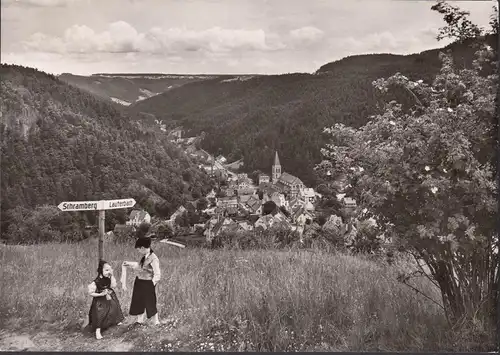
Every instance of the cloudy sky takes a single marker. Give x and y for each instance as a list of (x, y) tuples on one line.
[(213, 36)]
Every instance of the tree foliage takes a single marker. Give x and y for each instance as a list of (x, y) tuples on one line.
[(458, 25), (61, 144), (427, 174)]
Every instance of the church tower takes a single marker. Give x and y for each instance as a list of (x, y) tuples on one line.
[(276, 169)]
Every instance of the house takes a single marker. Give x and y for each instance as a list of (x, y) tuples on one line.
[(175, 134), (255, 207), (307, 194), (246, 201), (210, 211), (279, 199), (264, 178), (340, 197), (244, 184), (349, 202), (290, 184), (221, 159), (137, 217), (228, 201)]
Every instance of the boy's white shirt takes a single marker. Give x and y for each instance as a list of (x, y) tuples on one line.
[(155, 264)]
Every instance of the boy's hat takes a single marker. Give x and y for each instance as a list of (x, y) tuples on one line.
[(143, 242)]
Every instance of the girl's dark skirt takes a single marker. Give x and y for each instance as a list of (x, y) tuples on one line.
[(143, 298), (105, 313)]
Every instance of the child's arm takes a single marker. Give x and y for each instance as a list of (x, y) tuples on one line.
[(92, 291), (123, 279), (131, 264), (113, 282), (155, 263)]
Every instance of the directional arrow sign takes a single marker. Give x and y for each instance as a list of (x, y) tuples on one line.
[(79, 206), (114, 204), (96, 205)]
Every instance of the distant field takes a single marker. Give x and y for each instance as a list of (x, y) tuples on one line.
[(270, 300)]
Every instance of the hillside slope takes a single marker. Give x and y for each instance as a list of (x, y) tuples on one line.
[(252, 118), (125, 89), (60, 144)]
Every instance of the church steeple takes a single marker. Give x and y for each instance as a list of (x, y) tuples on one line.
[(277, 159), (276, 168)]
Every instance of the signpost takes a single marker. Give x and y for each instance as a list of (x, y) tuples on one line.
[(100, 206)]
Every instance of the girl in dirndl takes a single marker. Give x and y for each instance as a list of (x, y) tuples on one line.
[(148, 274), (105, 310)]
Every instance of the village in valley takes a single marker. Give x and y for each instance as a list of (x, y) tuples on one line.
[(278, 200)]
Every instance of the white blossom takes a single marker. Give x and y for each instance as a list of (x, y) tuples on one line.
[(427, 168), (450, 109), (434, 189), (392, 123)]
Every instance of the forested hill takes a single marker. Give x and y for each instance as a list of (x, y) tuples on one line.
[(60, 144), (124, 89), (252, 118)]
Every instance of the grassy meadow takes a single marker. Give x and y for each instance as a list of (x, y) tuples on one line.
[(243, 300)]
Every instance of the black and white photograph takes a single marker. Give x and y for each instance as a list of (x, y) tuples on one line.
[(249, 176)]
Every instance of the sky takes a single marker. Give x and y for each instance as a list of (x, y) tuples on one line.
[(214, 36)]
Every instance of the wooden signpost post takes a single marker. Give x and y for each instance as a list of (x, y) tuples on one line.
[(100, 206)]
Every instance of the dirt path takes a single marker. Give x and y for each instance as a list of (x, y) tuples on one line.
[(126, 337), (172, 335)]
